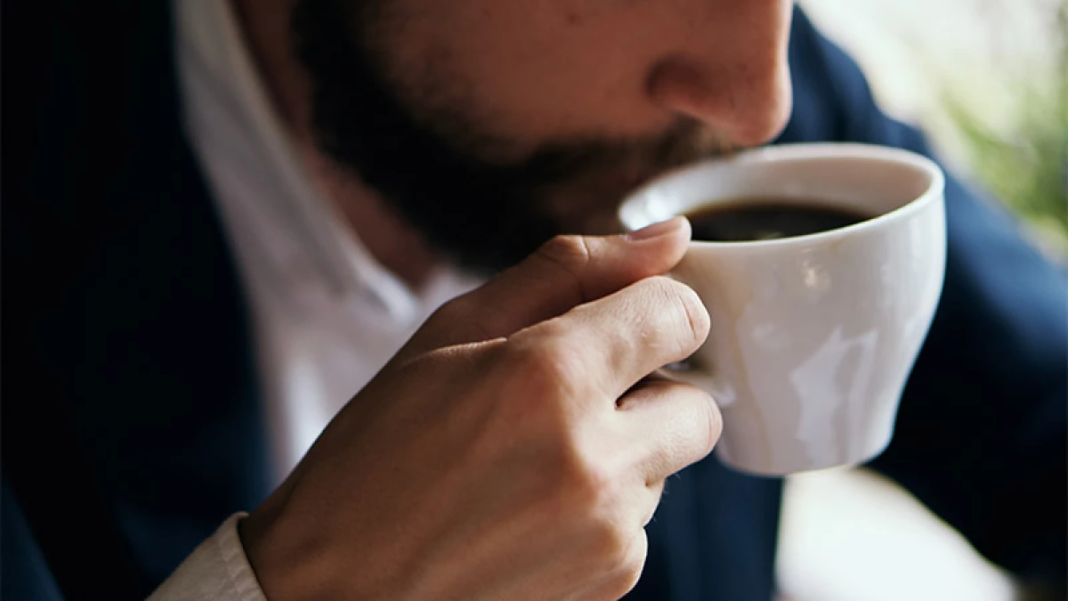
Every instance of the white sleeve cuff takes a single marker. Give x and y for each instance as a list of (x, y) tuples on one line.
[(217, 570)]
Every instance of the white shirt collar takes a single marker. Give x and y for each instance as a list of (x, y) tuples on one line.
[(248, 154)]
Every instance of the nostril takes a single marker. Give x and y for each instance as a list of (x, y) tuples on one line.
[(677, 84), (746, 105)]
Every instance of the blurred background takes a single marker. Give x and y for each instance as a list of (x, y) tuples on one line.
[(988, 81)]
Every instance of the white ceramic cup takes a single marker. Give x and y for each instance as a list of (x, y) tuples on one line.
[(813, 337)]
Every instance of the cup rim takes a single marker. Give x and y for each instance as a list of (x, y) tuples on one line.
[(809, 151)]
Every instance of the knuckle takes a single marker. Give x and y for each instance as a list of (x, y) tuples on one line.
[(546, 364), (622, 554), (630, 565), (589, 484), (613, 547), (687, 308), (569, 252), (595, 499)]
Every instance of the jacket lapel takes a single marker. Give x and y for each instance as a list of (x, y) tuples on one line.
[(121, 289)]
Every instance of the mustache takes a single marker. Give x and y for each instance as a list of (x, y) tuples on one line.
[(684, 142)]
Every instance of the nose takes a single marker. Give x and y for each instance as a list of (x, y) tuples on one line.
[(733, 76)]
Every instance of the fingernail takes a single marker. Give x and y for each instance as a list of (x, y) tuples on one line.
[(657, 230)]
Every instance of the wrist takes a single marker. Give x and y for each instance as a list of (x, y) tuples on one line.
[(287, 568)]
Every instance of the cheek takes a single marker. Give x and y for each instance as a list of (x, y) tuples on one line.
[(574, 68), (527, 71), (533, 70)]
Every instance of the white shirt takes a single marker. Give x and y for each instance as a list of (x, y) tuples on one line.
[(327, 315)]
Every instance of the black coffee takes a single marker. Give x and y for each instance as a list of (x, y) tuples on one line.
[(747, 219)]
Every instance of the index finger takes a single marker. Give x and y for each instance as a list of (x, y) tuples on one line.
[(565, 272), (621, 338)]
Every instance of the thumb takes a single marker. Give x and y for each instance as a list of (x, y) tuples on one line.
[(565, 272)]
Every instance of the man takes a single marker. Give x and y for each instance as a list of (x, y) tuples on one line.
[(224, 221)]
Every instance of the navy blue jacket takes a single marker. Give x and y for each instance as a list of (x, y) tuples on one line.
[(131, 420)]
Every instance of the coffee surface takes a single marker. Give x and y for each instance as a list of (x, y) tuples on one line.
[(748, 219)]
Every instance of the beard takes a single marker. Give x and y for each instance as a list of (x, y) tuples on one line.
[(429, 165)]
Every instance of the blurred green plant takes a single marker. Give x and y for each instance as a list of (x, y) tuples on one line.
[(1024, 160)]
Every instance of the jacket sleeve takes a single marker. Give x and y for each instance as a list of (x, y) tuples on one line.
[(980, 437)]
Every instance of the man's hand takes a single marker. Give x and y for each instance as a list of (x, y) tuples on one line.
[(513, 449)]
